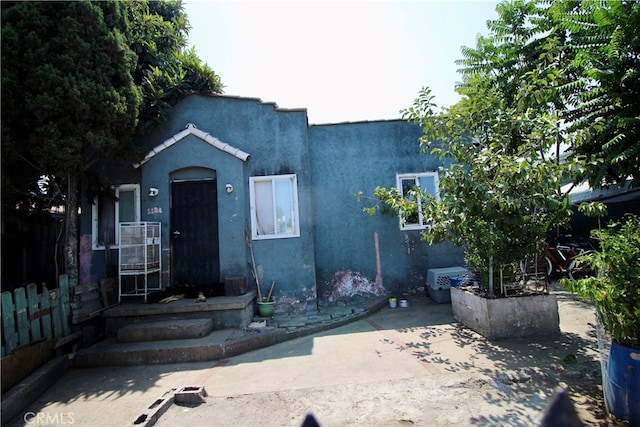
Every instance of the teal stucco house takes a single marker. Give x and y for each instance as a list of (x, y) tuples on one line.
[(223, 174)]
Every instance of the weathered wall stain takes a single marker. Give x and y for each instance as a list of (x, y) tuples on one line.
[(347, 283)]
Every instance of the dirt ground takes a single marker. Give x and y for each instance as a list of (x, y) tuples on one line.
[(416, 367)]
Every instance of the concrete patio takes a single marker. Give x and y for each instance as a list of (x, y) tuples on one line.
[(398, 366)]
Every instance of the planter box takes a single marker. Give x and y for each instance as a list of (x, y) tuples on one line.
[(513, 317)]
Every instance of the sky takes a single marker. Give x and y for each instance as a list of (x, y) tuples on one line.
[(341, 61)]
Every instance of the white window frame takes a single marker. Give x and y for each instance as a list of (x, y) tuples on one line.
[(95, 242), (416, 176), (295, 215)]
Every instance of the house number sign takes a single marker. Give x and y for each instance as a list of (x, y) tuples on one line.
[(154, 210)]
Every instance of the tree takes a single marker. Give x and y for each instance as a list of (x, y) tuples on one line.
[(68, 93), (500, 191), (577, 60), (604, 112), (78, 80), (166, 70), (498, 194), (548, 75)]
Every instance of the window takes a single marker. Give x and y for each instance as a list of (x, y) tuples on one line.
[(274, 206), (123, 205), (427, 182)]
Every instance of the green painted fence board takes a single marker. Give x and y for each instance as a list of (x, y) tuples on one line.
[(8, 323), (21, 316), (55, 314), (28, 316), (34, 312), (45, 307)]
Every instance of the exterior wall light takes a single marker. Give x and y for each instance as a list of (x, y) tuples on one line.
[(229, 188)]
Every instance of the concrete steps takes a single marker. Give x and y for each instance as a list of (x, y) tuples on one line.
[(217, 345), (165, 330), (112, 352), (226, 312), (148, 337), (181, 331)]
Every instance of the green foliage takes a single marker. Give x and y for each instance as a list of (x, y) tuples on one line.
[(69, 100), (391, 202), (518, 45), (604, 51), (78, 79), (549, 75), (499, 203), (576, 60), (500, 193), (68, 92), (592, 209), (616, 289), (166, 70)]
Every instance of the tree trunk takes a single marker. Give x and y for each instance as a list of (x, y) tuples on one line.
[(71, 240)]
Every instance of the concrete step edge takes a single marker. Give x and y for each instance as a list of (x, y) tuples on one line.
[(111, 353), (165, 330)]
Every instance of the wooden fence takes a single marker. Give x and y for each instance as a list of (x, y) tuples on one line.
[(29, 317)]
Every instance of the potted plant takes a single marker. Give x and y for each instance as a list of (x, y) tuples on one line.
[(616, 293), (500, 205), (498, 199)]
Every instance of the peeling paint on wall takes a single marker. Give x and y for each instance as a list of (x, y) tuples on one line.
[(348, 283), (409, 243), (288, 303)]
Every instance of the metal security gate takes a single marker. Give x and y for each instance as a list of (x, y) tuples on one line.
[(194, 234)]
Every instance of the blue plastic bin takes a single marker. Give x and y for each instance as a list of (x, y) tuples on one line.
[(456, 281)]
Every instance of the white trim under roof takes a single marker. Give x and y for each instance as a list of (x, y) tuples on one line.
[(191, 129)]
